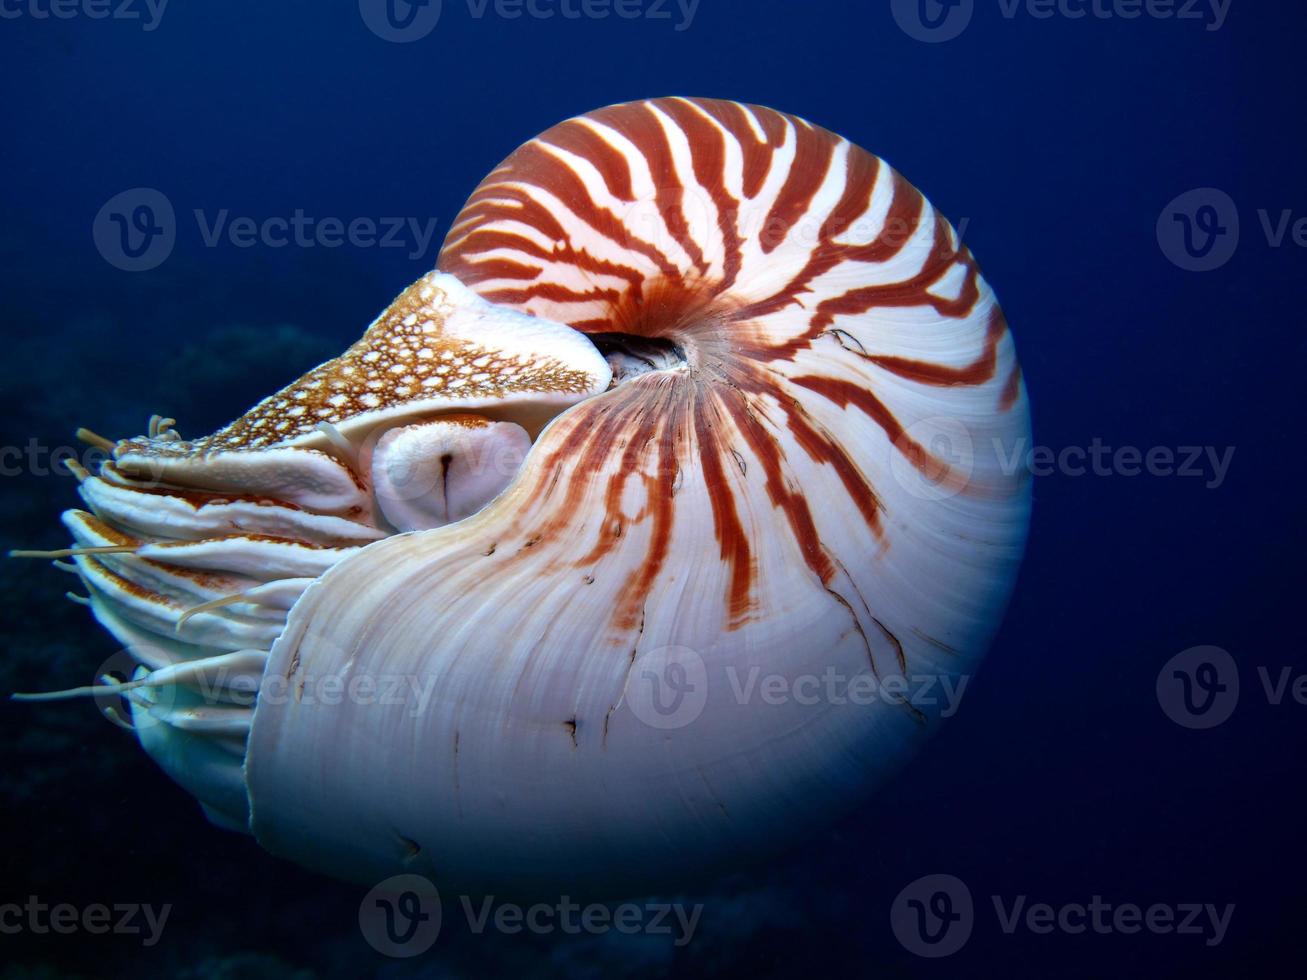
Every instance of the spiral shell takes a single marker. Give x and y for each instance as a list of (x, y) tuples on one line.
[(761, 398)]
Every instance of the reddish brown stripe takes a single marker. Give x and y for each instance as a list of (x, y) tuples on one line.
[(733, 544), (845, 393), (485, 240), (1011, 389), (667, 415), (640, 125), (550, 291), (757, 155), (648, 424), (904, 212), (909, 292), (551, 175), (582, 141), (791, 503), (861, 171), (977, 372), (823, 449), (860, 182), (709, 159), (498, 269), (814, 151), (489, 239)]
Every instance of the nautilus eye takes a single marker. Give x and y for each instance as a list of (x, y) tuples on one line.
[(566, 572)]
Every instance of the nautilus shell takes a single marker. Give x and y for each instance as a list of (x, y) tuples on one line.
[(700, 396)]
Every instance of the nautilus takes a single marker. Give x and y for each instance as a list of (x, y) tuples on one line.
[(544, 581)]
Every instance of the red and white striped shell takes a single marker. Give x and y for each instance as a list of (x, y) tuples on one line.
[(790, 467)]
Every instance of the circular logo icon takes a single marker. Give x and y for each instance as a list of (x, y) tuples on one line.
[(1199, 687), (932, 21), (667, 687), (1199, 230), (143, 707), (400, 21), (933, 458), (933, 916), (136, 230), (401, 916)]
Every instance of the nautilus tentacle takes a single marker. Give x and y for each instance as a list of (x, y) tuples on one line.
[(752, 401)]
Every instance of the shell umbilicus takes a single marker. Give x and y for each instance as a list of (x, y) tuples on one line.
[(568, 569)]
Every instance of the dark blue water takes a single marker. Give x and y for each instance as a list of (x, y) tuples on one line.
[(1060, 141)]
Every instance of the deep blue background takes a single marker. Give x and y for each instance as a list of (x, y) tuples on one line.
[(1059, 141)]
